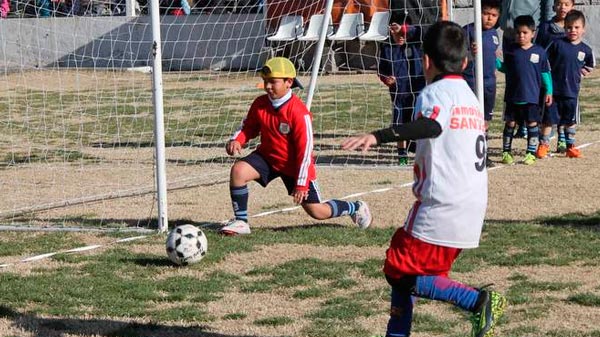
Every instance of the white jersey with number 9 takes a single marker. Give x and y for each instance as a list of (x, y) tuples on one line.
[(451, 182)]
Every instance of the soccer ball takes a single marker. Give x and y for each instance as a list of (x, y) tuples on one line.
[(186, 244)]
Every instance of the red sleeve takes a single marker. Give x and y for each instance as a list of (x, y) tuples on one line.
[(250, 127), (302, 134)]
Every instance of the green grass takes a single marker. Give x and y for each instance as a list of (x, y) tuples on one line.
[(120, 283)]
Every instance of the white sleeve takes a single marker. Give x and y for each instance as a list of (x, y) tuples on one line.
[(434, 105)]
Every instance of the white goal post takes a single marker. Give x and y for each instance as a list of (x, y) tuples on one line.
[(79, 146)]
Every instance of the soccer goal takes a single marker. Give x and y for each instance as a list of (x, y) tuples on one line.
[(79, 98)]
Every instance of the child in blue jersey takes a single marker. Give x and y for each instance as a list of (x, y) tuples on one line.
[(527, 74), (400, 69), (547, 32), (490, 12), (570, 58)]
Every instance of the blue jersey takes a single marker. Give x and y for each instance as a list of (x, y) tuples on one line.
[(404, 64), (490, 43), (524, 70), (566, 60), (547, 32)]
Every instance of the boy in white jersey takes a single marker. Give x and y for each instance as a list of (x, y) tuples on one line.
[(450, 187)]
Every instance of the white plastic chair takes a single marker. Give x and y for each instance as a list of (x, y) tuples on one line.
[(313, 32), (351, 26), (378, 30), (290, 28)]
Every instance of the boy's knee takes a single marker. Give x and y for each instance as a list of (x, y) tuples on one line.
[(317, 211)]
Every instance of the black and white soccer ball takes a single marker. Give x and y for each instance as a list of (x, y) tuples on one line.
[(186, 244)]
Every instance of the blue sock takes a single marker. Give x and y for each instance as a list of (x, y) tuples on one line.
[(561, 134), (570, 136), (401, 313), (533, 134), (339, 207), (444, 289), (507, 138), (239, 202)]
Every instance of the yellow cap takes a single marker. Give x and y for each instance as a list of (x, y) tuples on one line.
[(280, 67)]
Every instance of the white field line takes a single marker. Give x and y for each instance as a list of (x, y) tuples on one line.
[(283, 210)]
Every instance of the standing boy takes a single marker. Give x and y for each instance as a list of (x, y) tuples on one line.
[(527, 74), (400, 69), (569, 58), (450, 186), (286, 151), (490, 12), (547, 32)]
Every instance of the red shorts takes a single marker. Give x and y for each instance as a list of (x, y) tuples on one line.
[(408, 255)]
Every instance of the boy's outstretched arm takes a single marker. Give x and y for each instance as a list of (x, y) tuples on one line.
[(418, 129)]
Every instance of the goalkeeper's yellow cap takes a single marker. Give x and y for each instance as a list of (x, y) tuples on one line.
[(280, 67)]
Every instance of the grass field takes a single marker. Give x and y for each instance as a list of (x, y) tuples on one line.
[(293, 276)]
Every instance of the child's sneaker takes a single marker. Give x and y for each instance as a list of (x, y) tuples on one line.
[(561, 147), (529, 159), (235, 227), (362, 217), (487, 317), (507, 158), (542, 151), (403, 161), (574, 153)]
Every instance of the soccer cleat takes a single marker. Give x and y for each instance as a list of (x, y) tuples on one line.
[(486, 318), (235, 227), (507, 158), (403, 161), (561, 147), (542, 151), (362, 217), (573, 152), (529, 159)]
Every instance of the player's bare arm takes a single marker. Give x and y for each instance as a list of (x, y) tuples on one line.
[(362, 142), (233, 147)]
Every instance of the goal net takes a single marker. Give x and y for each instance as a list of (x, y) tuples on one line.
[(77, 140)]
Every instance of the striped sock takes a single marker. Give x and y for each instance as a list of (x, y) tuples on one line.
[(533, 134), (339, 207), (239, 202), (507, 138), (570, 136)]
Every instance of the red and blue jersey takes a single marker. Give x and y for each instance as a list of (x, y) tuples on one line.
[(566, 60), (489, 46), (523, 69), (286, 137)]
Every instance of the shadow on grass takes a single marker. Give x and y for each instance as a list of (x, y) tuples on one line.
[(575, 220), (57, 327)]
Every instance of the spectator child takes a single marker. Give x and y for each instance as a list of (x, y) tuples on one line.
[(284, 125), (490, 12), (527, 73), (568, 57), (400, 69), (547, 32), (450, 187)]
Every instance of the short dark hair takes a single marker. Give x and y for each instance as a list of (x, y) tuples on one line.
[(572, 2), (495, 4), (525, 20), (445, 44), (573, 16)]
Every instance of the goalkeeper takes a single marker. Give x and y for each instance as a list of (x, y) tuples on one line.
[(450, 187), (284, 125)]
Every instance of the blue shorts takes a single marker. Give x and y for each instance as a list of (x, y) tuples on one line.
[(550, 114), (489, 100), (267, 174), (522, 112), (403, 107), (567, 110)]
